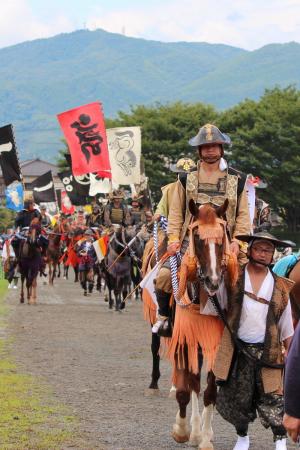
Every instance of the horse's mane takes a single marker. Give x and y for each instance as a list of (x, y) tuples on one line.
[(210, 227), (207, 215)]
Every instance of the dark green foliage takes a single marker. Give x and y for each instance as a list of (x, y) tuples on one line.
[(266, 138), (7, 218)]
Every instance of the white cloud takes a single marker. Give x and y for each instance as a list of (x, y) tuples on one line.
[(248, 23), (18, 23)]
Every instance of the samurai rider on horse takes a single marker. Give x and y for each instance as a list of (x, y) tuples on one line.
[(212, 181)]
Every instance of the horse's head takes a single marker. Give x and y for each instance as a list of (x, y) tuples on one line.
[(209, 243), (34, 230)]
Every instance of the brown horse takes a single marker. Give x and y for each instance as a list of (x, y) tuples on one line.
[(29, 261), (53, 252), (198, 329)]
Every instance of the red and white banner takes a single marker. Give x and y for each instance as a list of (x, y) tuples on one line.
[(84, 130), (66, 204)]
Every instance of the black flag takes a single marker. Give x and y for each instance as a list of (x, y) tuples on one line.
[(68, 159), (8, 156), (77, 188), (43, 188)]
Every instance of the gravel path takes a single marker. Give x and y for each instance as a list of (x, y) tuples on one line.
[(98, 362)]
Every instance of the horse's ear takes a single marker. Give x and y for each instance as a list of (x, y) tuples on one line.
[(221, 210), (193, 208)]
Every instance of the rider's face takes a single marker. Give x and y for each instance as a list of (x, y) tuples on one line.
[(210, 153)]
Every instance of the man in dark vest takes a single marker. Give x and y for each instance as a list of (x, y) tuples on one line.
[(249, 362), (116, 212), (25, 216), (212, 182)]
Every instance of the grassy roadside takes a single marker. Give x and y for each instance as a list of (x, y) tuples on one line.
[(30, 419)]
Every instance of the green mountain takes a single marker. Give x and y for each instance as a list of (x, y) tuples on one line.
[(41, 78)]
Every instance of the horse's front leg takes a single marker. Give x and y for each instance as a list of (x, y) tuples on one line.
[(196, 435), (124, 295), (33, 291), (155, 345), (50, 273), (209, 400), (90, 279), (22, 289), (58, 273), (83, 281), (117, 300), (76, 270), (180, 428), (29, 293), (54, 271)]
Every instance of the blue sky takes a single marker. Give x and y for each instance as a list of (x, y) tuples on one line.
[(249, 24)]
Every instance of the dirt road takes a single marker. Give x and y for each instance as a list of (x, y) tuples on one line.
[(98, 362)]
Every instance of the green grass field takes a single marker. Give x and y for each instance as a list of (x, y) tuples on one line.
[(30, 417)]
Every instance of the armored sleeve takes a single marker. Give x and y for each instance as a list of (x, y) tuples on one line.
[(176, 212), (107, 221), (242, 222)]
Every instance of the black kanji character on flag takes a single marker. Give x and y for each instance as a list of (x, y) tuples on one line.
[(89, 137)]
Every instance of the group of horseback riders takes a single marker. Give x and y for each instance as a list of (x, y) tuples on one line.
[(69, 239), (256, 315)]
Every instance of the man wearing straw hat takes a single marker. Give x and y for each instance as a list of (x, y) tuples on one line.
[(212, 182), (249, 363)]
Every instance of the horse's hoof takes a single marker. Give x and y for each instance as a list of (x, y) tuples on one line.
[(153, 385), (21, 300), (195, 439), (152, 392), (206, 448), (180, 439)]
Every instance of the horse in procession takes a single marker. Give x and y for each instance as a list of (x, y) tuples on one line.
[(206, 267), (28, 249), (53, 253), (125, 250)]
